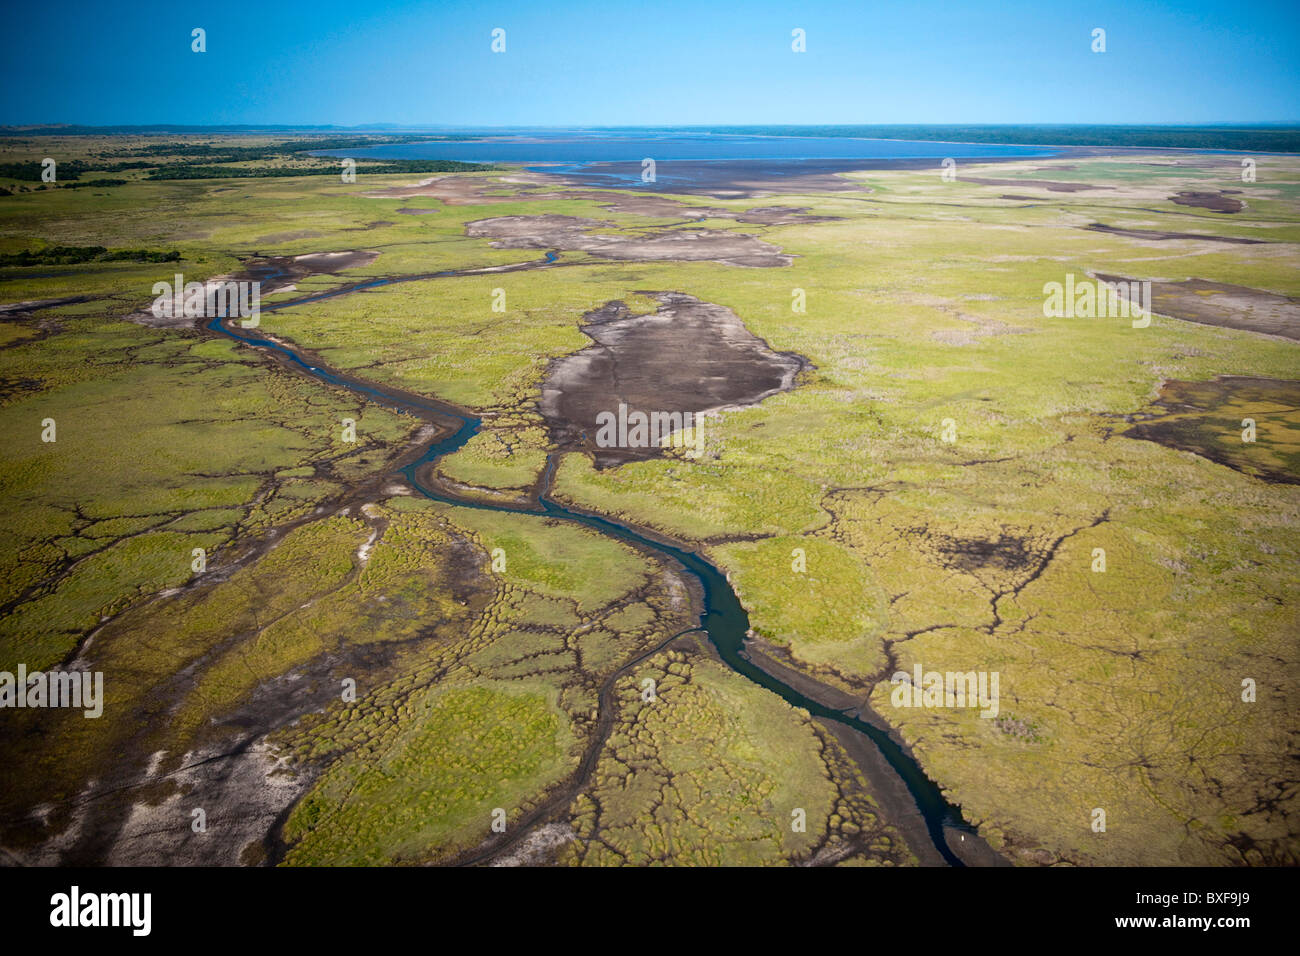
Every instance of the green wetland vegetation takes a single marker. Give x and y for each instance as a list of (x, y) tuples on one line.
[(934, 491)]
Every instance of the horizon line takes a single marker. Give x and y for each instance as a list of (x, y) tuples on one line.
[(381, 126)]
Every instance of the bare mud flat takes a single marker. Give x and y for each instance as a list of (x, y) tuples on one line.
[(24, 309), (1227, 306), (1156, 234), (733, 179), (275, 273), (575, 234), (243, 796), (456, 189), (665, 207), (323, 262), (776, 215), (1206, 418), (1215, 201), (539, 848), (687, 356)]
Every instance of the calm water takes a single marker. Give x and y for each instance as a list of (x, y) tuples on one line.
[(575, 148)]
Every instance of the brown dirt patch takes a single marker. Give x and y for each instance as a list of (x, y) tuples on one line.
[(326, 262), (1206, 418), (663, 207), (24, 309), (574, 234), (1156, 234), (1216, 201), (687, 356), (459, 190), (274, 273), (1227, 306), (733, 179)]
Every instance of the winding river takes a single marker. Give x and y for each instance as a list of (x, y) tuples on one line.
[(724, 618)]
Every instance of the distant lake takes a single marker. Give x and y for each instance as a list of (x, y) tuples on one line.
[(575, 148), (725, 165)]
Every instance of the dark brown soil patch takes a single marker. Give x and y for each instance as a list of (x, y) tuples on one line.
[(660, 207), (24, 309), (1228, 306), (1157, 234), (664, 207), (575, 234), (1217, 201), (688, 356), (326, 262), (274, 273), (456, 190), (735, 179), (1006, 552), (781, 216), (1206, 419)]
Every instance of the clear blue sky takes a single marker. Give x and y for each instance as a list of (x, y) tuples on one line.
[(657, 62)]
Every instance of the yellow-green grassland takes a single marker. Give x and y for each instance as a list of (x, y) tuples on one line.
[(338, 669)]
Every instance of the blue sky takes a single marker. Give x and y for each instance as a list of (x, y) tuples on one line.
[(680, 63)]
